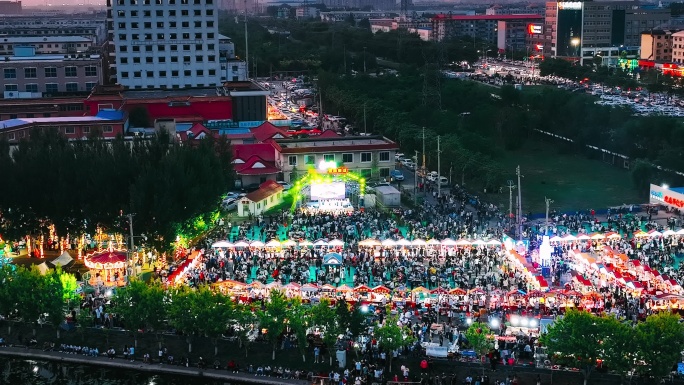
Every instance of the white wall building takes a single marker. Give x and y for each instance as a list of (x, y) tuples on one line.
[(165, 43)]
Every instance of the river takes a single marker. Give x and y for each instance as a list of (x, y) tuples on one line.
[(27, 372)]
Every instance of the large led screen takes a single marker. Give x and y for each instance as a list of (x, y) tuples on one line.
[(323, 191)]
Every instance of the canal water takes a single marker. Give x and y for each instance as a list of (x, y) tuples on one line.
[(27, 372)]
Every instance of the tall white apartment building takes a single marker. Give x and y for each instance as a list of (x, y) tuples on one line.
[(164, 43)]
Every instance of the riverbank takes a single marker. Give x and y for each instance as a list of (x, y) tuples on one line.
[(118, 363)]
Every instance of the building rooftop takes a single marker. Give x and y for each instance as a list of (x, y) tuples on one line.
[(168, 93), (44, 39), (11, 123), (51, 58), (487, 17), (341, 141)]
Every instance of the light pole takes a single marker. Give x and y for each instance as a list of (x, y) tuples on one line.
[(511, 187), (415, 181), (575, 41), (364, 60), (128, 255), (546, 226), (520, 232), (439, 170)]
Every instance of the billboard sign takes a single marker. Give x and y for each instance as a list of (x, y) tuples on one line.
[(535, 29), (570, 5)]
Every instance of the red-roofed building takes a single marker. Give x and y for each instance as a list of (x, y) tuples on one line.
[(256, 163), (481, 26), (268, 195), (329, 134), (266, 131), (195, 134)]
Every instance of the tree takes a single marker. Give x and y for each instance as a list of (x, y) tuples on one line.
[(84, 320), (214, 310), (130, 303), (298, 319), (156, 309), (365, 23), (51, 301), (659, 340), (618, 347), (391, 336), (576, 340), (272, 318), (182, 313), (325, 317), (478, 336), (243, 323)]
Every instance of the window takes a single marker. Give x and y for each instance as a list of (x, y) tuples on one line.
[(310, 159), (366, 172), (11, 136), (70, 72), (292, 160), (174, 73), (212, 72), (72, 87), (384, 156), (51, 88), (50, 72), (124, 60), (187, 73), (32, 87), (124, 75), (122, 36), (136, 74), (149, 74), (162, 74), (348, 158), (11, 87), (92, 71), (384, 172), (200, 72), (136, 60), (107, 129), (90, 85), (329, 157), (69, 130), (85, 129), (366, 157), (30, 73)]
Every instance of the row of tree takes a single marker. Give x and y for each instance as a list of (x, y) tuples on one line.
[(208, 313), (35, 297), (82, 185), (586, 341)]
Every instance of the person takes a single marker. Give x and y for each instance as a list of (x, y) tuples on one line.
[(131, 353), (317, 352), (423, 366), (538, 379)]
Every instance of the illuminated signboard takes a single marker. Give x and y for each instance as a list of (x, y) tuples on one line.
[(338, 170), (657, 195), (326, 165), (570, 5), (535, 29)]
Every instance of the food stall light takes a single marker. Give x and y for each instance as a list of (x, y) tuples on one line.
[(108, 293), (364, 309), (524, 322), (494, 322), (533, 323), (665, 186), (469, 321), (515, 320)]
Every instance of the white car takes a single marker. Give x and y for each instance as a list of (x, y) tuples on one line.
[(398, 156), (286, 186)]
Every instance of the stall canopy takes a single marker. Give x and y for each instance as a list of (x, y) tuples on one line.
[(43, 268), (62, 260), (332, 259)]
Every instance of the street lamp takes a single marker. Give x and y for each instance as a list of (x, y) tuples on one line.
[(575, 41), (364, 59)]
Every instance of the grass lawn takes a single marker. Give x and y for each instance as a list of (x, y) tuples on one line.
[(573, 182)]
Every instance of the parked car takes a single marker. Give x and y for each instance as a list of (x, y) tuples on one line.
[(443, 181), (251, 187), (432, 176), (397, 175), (286, 186), (409, 164), (398, 156)]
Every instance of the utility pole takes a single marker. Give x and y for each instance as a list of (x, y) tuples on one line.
[(246, 43), (364, 60), (439, 170), (511, 187), (424, 168), (130, 250), (345, 58), (520, 226), (546, 224), (415, 183), (364, 118)]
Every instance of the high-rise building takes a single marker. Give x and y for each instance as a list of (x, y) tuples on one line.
[(164, 43), (604, 29), (10, 7)]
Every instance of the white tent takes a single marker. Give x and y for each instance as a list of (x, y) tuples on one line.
[(222, 244), (43, 268), (336, 242), (62, 260)]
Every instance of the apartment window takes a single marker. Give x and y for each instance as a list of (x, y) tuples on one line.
[(162, 74), (124, 75), (11, 87), (210, 24), (69, 130), (148, 48), (210, 46), (174, 73), (187, 73), (11, 136), (85, 129), (162, 59), (366, 157), (135, 36), (185, 13), (159, 13), (186, 47), (123, 48), (160, 36), (172, 24), (30, 73), (51, 88), (70, 72), (200, 72), (161, 48), (50, 72), (210, 12), (366, 172), (174, 59), (212, 72), (384, 172), (185, 24), (210, 2), (310, 159), (136, 48), (198, 12), (329, 157), (198, 24), (134, 25), (122, 25), (149, 74), (148, 36), (186, 59), (124, 60), (90, 85), (107, 129), (32, 87), (122, 36), (137, 74), (292, 160), (384, 156), (199, 58), (91, 71), (149, 60), (211, 58), (174, 47), (136, 60), (348, 158), (210, 35), (72, 87)]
